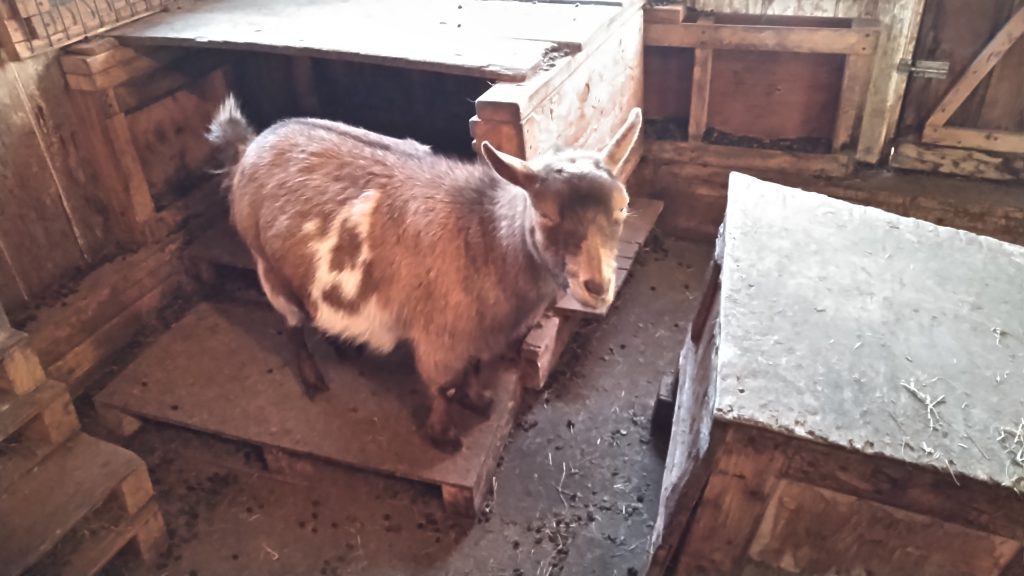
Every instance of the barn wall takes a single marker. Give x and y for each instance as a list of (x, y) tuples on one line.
[(956, 32), (52, 221), (900, 20)]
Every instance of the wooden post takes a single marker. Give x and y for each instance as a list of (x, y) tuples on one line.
[(701, 95), (854, 91)]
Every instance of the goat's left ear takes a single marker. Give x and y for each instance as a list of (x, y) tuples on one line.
[(616, 152), (509, 167)]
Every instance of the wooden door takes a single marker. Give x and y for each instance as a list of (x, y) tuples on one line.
[(971, 122)]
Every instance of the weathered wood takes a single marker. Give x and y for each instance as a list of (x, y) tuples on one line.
[(20, 410), (746, 471), (692, 446), (37, 234), (667, 13), (116, 421), (975, 138), (981, 66), (47, 506), (774, 38), (957, 161), (811, 530), (416, 37), (129, 66), (265, 394), (305, 85), (856, 80), (699, 99), (750, 158), (20, 371)]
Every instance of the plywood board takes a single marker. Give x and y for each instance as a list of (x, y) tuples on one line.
[(496, 40), (860, 319), (227, 370)]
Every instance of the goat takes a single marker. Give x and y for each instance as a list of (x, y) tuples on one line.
[(376, 240)]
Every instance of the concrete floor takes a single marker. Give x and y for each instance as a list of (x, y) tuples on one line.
[(576, 491)]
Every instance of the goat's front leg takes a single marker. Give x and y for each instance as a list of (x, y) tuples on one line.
[(472, 394), (441, 375), (310, 377)]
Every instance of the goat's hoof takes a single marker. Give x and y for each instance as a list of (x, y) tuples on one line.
[(479, 403), (445, 440), (347, 351), (314, 387)]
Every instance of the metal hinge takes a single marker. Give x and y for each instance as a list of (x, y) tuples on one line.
[(924, 68)]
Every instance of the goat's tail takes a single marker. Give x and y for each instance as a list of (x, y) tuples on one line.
[(230, 134)]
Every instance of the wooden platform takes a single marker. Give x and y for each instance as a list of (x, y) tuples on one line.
[(853, 400), (225, 369), (84, 482), (499, 40)]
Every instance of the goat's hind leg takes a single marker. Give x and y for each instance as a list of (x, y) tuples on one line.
[(310, 377), (441, 377)]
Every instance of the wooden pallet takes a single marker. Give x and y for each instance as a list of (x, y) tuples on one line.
[(226, 370), (32, 426), (56, 525)]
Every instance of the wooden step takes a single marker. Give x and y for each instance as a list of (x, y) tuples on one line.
[(92, 544), (81, 476), (45, 413), (20, 372)]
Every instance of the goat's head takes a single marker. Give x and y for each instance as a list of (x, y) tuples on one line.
[(580, 204)]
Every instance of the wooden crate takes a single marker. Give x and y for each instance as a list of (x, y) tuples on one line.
[(844, 403)]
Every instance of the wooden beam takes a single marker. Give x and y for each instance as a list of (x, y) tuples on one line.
[(978, 69), (957, 161), (669, 14), (856, 79), (977, 138), (738, 158), (770, 38), (700, 98)]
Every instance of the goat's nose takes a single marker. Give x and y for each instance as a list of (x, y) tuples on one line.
[(596, 288)]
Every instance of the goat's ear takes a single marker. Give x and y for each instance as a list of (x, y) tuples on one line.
[(509, 167), (616, 152)]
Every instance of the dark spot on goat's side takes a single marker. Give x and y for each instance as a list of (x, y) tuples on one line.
[(346, 251)]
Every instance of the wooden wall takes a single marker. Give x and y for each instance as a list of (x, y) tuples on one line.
[(900, 20), (955, 31), (52, 220)]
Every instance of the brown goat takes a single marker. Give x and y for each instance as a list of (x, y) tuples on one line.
[(376, 240)]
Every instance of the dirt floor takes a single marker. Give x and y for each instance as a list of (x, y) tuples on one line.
[(576, 491)]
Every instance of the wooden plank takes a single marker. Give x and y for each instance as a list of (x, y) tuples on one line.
[(1003, 107), (37, 234), (20, 371), (750, 158), (852, 94), (345, 31), (699, 99), (886, 93), (589, 106), (140, 63), (737, 494), (976, 138), (811, 530), (88, 551), (774, 38), (776, 95), (101, 296), (46, 506), (957, 161), (146, 89), (236, 340), (88, 64), (981, 66), (667, 13), (69, 158), (20, 410), (693, 445)]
